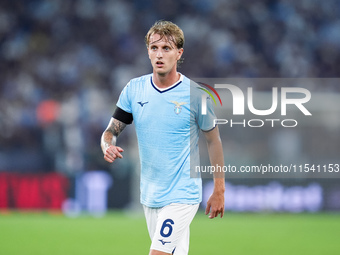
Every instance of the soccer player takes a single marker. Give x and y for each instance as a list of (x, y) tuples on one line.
[(165, 107)]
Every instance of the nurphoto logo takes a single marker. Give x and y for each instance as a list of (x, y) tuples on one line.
[(299, 97)]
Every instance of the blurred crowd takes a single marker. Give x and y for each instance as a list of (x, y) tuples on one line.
[(64, 63)]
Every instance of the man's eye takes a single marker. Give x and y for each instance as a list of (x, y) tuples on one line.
[(153, 48), (166, 48)]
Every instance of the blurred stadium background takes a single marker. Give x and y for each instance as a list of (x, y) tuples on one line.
[(63, 65)]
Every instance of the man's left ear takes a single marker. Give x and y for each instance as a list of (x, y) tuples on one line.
[(180, 52)]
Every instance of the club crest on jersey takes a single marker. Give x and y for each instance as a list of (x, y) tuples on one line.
[(178, 106)]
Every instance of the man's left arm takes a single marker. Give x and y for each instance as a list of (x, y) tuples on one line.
[(215, 204)]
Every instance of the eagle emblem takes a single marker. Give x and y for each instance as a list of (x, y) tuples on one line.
[(178, 106)]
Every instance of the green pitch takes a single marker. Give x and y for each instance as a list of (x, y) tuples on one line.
[(119, 234)]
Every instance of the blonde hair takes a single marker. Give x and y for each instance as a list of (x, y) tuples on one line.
[(168, 29)]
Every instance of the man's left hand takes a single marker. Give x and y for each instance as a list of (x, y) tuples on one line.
[(215, 205)]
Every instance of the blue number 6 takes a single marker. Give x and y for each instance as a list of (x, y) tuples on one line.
[(167, 224)]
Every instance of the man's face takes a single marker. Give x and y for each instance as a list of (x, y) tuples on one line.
[(163, 54)]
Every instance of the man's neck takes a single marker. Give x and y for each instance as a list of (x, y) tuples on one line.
[(164, 81)]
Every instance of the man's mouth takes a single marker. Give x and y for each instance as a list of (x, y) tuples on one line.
[(159, 63)]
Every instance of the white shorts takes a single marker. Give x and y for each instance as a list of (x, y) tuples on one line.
[(169, 227)]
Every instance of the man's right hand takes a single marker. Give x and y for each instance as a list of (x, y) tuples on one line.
[(112, 153)]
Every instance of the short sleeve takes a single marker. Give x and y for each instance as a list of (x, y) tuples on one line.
[(206, 121), (124, 101)]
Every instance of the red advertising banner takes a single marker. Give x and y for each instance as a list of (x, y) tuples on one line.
[(32, 191)]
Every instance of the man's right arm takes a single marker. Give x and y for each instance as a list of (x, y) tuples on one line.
[(109, 138)]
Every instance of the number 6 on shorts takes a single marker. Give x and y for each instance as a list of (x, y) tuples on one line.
[(167, 224)]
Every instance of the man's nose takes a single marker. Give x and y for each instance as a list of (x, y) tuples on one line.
[(159, 54)]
